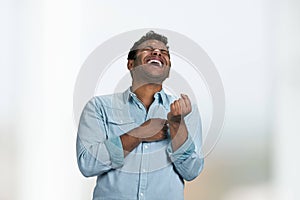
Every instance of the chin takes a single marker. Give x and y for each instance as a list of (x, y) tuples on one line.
[(141, 74)]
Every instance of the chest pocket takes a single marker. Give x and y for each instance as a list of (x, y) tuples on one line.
[(119, 121)]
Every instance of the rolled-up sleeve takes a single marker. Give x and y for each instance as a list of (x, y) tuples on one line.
[(188, 159), (96, 153)]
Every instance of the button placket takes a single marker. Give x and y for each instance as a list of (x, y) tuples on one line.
[(143, 170)]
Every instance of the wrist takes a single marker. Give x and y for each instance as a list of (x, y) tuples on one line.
[(176, 124)]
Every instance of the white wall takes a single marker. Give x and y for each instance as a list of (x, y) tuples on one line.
[(286, 148), (252, 43)]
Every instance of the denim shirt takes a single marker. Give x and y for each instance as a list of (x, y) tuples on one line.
[(152, 170)]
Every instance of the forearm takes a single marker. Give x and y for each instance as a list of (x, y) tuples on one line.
[(185, 148), (150, 131), (178, 133), (129, 142)]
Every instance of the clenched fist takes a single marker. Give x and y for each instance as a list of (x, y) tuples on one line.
[(178, 130), (179, 109)]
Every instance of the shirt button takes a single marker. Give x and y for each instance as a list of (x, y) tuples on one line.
[(146, 146), (142, 194)]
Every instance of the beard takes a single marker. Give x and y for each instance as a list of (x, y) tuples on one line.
[(145, 74)]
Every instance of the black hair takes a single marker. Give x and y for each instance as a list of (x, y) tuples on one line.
[(151, 35)]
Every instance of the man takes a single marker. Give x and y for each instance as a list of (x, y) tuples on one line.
[(142, 143)]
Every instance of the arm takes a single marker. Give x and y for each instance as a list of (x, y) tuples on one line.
[(185, 131), (150, 131), (96, 153)]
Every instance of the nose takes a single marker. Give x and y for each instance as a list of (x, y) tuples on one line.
[(156, 52)]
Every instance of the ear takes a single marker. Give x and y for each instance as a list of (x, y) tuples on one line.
[(130, 64)]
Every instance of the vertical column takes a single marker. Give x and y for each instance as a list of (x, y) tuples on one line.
[(28, 117), (8, 88), (286, 146), (47, 58), (61, 63)]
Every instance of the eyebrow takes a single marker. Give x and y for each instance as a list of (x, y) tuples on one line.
[(155, 48)]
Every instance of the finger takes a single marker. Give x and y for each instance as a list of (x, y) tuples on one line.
[(177, 106), (183, 107), (187, 102), (173, 108), (184, 99)]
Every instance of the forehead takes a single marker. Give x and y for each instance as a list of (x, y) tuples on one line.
[(153, 43)]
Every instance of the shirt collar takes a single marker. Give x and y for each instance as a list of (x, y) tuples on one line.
[(161, 95), (127, 94)]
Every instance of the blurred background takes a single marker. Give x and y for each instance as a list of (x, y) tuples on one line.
[(254, 45)]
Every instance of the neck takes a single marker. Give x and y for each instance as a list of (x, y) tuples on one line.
[(146, 92)]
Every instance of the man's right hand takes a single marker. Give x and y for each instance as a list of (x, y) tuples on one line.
[(151, 130)]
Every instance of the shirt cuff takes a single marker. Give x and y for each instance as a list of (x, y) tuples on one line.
[(183, 152), (115, 150)]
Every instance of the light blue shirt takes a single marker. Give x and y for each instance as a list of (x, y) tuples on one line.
[(152, 171)]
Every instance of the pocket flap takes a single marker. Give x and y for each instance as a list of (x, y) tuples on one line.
[(119, 116)]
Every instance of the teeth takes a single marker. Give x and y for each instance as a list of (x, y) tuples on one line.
[(155, 61)]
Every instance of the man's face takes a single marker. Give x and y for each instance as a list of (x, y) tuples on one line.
[(152, 61)]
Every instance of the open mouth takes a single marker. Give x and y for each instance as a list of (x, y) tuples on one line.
[(155, 62)]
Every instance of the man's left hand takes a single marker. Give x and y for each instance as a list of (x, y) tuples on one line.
[(179, 109)]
